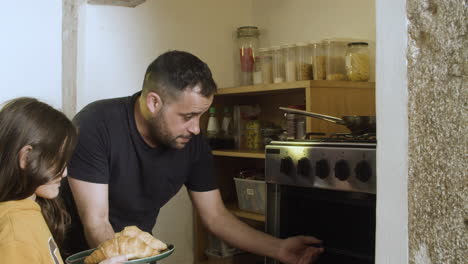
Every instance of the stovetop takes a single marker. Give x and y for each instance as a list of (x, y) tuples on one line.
[(337, 162)]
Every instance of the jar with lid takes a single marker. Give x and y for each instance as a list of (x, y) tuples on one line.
[(289, 55), (358, 62), (317, 58), (266, 65), (303, 64), (335, 51), (278, 65), (247, 39)]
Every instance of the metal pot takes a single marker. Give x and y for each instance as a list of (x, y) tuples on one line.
[(357, 124)]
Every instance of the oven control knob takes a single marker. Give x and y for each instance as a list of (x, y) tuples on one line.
[(322, 169), (342, 170), (303, 167), (286, 165), (363, 171)]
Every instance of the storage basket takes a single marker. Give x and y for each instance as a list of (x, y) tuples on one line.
[(251, 195)]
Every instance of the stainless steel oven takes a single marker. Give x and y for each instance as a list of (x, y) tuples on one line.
[(324, 188)]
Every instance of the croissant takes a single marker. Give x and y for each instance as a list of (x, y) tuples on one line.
[(131, 242)]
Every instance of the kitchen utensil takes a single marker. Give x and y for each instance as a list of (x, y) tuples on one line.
[(78, 258), (357, 124)]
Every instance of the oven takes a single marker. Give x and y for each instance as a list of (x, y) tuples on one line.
[(327, 189)]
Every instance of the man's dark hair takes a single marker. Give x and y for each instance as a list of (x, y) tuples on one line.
[(174, 71)]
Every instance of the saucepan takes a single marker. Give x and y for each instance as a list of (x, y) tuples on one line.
[(356, 124)]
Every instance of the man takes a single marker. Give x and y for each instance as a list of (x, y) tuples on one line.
[(135, 153)]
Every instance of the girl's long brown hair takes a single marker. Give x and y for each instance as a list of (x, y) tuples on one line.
[(52, 136)]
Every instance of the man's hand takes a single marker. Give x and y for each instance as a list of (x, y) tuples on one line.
[(298, 250)]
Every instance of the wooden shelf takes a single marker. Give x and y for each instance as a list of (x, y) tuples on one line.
[(240, 153), (234, 209), (288, 86), (264, 88)]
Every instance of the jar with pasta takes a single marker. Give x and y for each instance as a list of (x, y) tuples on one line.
[(303, 64), (318, 60), (358, 62)]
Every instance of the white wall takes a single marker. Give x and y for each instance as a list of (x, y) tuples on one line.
[(31, 50), (119, 43), (288, 22), (116, 44)]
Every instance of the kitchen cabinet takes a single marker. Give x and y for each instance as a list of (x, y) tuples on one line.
[(335, 98)]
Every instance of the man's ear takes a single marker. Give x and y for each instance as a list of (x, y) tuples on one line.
[(154, 102), (23, 156)]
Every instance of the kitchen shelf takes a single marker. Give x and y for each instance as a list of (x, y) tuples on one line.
[(240, 153), (264, 88), (234, 209), (283, 87)]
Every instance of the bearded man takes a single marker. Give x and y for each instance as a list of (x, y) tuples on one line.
[(135, 153)]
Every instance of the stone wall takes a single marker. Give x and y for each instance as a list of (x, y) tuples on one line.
[(437, 96)]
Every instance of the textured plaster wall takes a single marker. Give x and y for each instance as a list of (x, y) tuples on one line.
[(437, 93)]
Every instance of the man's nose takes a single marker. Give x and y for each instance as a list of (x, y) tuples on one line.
[(194, 126)]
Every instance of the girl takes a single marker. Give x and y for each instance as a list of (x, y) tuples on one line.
[(36, 142)]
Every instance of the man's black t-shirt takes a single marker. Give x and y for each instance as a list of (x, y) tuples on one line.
[(140, 179)]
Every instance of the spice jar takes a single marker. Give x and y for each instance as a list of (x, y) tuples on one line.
[(247, 39), (303, 64), (335, 51), (317, 58), (278, 65), (266, 65), (358, 62), (289, 62)]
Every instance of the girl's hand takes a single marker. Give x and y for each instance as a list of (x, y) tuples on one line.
[(114, 260)]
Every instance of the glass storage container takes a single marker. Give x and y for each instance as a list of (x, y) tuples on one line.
[(318, 60), (247, 39), (257, 73), (278, 65), (357, 62), (335, 51), (289, 55), (303, 64), (266, 65)]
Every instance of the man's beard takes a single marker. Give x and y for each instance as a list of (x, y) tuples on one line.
[(159, 132)]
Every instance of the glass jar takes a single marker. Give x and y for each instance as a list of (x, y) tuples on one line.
[(247, 39), (257, 73), (295, 124), (253, 139), (317, 58), (278, 65), (303, 64), (266, 65), (335, 51), (289, 55), (358, 62)]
